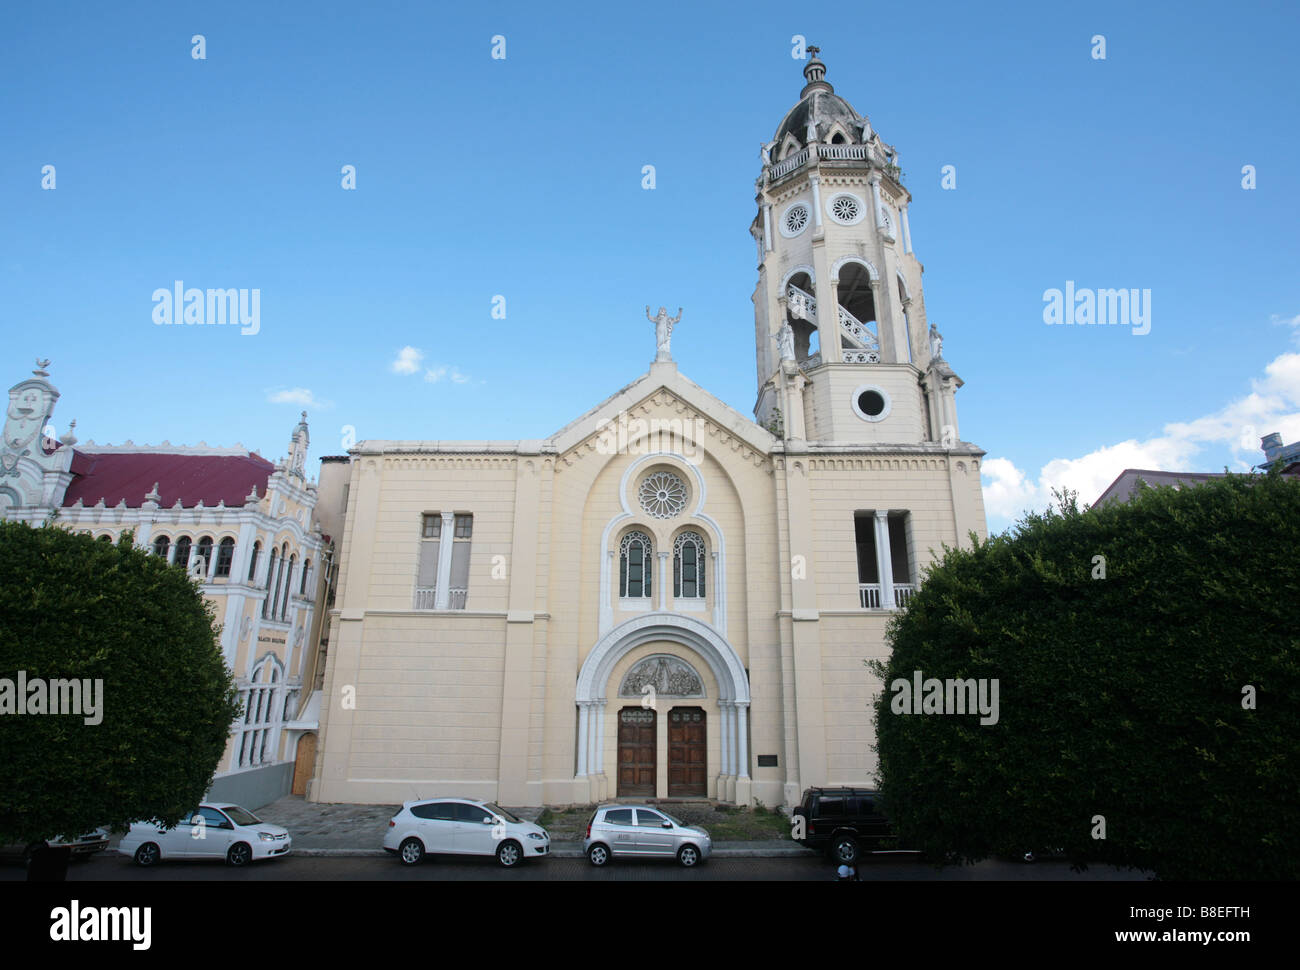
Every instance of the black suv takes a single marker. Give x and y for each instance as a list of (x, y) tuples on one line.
[(842, 822)]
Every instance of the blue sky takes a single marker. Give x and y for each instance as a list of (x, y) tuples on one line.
[(521, 178)]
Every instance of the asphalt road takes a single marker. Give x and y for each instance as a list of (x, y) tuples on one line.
[(113, 867)]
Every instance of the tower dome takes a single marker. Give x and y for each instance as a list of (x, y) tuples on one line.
[(821, 106)]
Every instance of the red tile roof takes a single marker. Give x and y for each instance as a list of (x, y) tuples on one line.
[(190, 478)]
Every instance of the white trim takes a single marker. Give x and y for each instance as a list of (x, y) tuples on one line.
[(795, 271), (845, 260), (889, 404), (785, 214), (862, 209)]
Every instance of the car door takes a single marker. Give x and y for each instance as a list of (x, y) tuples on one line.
[(212, 838), (475, 830), (620, 831), (436, 822), (652, 838)]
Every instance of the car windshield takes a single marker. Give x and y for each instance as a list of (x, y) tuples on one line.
[(498, 810), (241, 816)]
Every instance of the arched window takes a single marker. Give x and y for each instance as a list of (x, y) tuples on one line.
[(252, 562), (162, 546), (181, 556), (288, 584), (688, 566), (635, 554), (302, 586), (205, 554), (225, 556), (270, 578), (261, 715)]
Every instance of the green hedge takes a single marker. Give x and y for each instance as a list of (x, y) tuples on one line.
[(1120, 697)]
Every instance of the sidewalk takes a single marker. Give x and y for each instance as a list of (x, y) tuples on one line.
[(321, 829)]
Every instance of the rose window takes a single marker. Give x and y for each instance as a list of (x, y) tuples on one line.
[(845, 209), (663, 495), (796, 217)]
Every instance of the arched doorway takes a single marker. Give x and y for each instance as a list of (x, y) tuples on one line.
[(304, 764), (667, 682)]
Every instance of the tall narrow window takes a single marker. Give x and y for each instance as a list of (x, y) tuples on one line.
[(462, 533), (204, 554), (288, 585), (302, 586), (225, 556), (181, 557), (688, 566), (634, 566), (426, 579), (161, 546), (252, 562), (272, 583)]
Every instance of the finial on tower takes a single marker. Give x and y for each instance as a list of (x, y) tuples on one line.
[(41, 364), (815, 74)]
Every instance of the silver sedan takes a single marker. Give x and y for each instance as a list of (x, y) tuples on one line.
[(639, 831)]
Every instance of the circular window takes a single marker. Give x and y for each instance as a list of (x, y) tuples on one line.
[(871, 403), (846, 209), (663, 495), (795, 220)]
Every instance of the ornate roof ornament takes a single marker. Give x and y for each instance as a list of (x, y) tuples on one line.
[(663, 331)]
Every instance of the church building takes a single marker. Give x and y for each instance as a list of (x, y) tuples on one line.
[(666, 597)]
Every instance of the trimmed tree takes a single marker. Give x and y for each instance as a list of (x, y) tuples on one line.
[(139, 641), (1147, 663)]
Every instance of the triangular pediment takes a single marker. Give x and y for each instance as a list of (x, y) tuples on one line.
[(663, 394)]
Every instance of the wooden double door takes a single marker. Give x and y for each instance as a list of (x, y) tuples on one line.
[(638, 749)]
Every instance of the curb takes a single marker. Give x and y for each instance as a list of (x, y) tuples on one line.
[(575, 852)]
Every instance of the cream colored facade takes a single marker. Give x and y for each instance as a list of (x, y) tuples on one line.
[(504, 664)]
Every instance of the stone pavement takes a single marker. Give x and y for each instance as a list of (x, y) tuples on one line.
[(325, 829)]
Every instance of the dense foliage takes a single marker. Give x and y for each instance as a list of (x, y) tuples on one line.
[(1127, 697), (72, 607)]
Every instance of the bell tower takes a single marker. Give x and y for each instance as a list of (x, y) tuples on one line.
[(842, 347)]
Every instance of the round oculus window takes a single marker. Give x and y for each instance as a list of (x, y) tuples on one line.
[(846, 209), (871, 403), (795, 220)]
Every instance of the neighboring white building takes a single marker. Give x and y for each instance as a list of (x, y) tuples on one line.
[(240, 525), (667, 598)]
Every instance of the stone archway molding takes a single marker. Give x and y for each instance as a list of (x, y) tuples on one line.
[(710, 646)]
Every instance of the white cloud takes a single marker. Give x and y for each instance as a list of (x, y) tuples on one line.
[(407, 361), (298, 395), (434, 374), (1273, 404)]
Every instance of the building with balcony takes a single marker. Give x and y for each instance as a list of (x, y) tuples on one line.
[(666, 597)]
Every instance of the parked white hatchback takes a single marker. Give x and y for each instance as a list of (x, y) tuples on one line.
[(463, 826), (216, 831)]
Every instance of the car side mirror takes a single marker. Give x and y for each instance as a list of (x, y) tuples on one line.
[(488, 820), (667, 825)]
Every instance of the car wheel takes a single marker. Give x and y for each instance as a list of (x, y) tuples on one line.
[(147, 854), (411, 852), (688, 855), (240, 854), (509, 854), (844, 850), (598, 855)]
